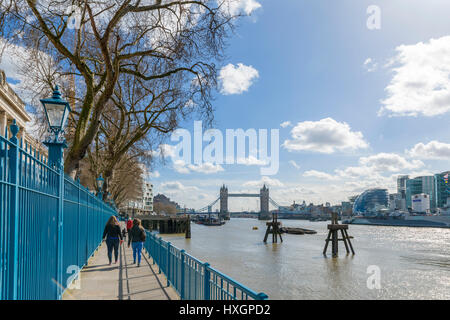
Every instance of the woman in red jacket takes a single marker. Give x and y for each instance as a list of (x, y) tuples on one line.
[(129, 225)]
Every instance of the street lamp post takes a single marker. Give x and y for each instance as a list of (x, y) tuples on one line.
[(57, 111), (100, 182)]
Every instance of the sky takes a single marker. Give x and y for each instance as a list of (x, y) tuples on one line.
[(359, 91)]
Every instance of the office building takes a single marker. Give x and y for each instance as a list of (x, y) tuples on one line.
[(441, 190), (401, 185), (418, 185)]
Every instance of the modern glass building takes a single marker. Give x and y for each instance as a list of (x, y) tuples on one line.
[(441, 193), (370, 201), (401, 185), (418, 185)]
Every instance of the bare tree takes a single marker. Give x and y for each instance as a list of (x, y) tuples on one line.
[(164, 208), (154, 60), (125, 182)]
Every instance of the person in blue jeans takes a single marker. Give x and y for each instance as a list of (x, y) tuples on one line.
[(137, 238), (113, 235)]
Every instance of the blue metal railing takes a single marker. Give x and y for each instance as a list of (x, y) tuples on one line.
[(192, 278), (49, 224)]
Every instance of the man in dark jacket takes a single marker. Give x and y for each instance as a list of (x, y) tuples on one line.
[(136, 236)]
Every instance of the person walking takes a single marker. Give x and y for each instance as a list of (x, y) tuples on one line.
[(136, 236), (129, 225), (113, 235)]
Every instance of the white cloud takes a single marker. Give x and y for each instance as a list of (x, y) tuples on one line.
[(148, 175), (154, 174), (180, 166), (325, 136), (271, 182), (236, 80), (164, 151), (172, 185), (286, 124), (17, 62), (178, 189), (207, 168), (432, 150), (372, 167), (319, 175), (235, 7), (421, 81), (370, 65), (294, 164), (389, 162), (355, 172), (379, 170), (251, 161)]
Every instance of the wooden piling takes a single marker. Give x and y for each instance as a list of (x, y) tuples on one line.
[(188, 228), (333, 236), (273, 227)]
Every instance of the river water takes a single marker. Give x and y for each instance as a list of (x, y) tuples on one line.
[(413, 263)]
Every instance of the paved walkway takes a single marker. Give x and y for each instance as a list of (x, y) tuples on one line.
[(121, 281)]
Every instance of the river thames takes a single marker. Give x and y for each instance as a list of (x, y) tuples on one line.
[(414, 263)]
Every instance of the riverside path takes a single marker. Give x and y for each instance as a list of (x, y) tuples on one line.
[(121, 281)]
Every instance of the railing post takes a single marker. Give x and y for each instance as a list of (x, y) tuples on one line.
[(206, 281), (13, 214), (262, 296), (182, 273), (168, 263), (56, 160), (159, 254), (79, 260)]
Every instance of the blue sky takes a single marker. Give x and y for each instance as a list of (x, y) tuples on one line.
[(316, 67), (310, 58)]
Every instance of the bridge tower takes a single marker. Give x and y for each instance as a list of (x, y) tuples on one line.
[(224, 203), (264, 200)]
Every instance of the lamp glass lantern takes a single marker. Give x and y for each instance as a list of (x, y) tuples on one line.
[(57, 111), (100, 182)]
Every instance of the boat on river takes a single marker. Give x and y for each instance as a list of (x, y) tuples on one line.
[(210, 220), (403, 220), (291, 230)]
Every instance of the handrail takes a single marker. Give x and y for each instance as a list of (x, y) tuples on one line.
[(50, 224), (192, 278)]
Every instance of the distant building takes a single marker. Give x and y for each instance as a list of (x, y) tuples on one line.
[(421, 203), (441, 194), (418, 185), (336, 209), (346, 208), (371, 201), (163, 205), (392, 197), (397, 202), (13, 108), (142, 205), (352, 199), (147, 196), (401, 185)]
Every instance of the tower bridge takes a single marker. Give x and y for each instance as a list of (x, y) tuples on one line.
[(224, 213)]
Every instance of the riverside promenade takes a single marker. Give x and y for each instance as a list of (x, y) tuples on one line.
[(121, 281)]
